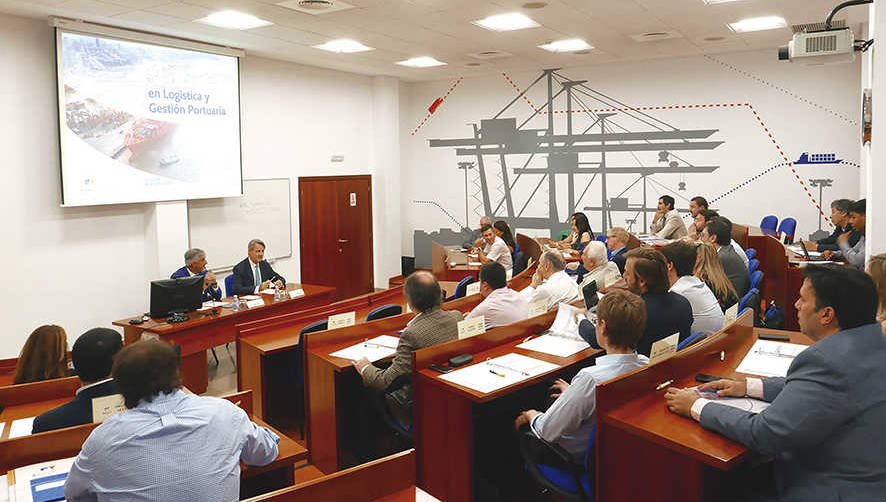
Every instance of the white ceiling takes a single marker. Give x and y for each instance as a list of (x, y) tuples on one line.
[(400, 29)]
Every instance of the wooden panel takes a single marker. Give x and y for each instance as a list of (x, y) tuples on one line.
[(43, 447), (322, 419), (529, 246), (56, 388), (317, 231), (241, 399), (740, 234), (354, 274), (249, 374)]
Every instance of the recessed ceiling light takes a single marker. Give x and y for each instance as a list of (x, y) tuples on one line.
[(345, 45), (568, 45), (506, 22), (421, 62), (233, 20), (758, 24), (534, 5), (713, 2)]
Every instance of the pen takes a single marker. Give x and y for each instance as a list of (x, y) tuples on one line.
[(494, 373), (722, 355), (664, 384)]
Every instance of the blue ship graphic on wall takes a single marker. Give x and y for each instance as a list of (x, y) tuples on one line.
[(818, 158)]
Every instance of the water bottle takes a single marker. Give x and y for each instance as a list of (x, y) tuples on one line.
[(236, 305), (276, 293)]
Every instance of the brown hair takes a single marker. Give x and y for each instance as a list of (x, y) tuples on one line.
[(709, 269), (44, 356), (651, 266), (877, 270), (146, 369), (625, 317)]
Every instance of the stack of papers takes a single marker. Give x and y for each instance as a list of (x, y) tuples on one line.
[(796, 248), (21, 427), (770, 358), (494, 374), (41, 481), (562, 339), (374, 349), (743, 403)]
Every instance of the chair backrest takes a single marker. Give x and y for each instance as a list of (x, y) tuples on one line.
[(563, 234), (756, 279), (601, 238), (320, 325), (229, 285), (787, 227), (384, 311), (695, 337), (747, 301), (750, 253), (519, 259), (753, 264), (769, 222), (529, 247), (462, 287)]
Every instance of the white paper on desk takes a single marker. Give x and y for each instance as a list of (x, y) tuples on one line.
[(472, 289), (258, 302), (24, 476), (474, 264), (106, 406), (769, 358), (269, 291), (420, 496), (664, 348), (373, 349), (21, 427), (743, 403), (562, 339), (249, 297), (494, 374), (296, 293)]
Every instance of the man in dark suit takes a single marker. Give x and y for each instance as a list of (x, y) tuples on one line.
[(254, 274), (840, 219), (646, 273), (718, 232), (824, 424), (617, 241), (195, 264), (93, 356)]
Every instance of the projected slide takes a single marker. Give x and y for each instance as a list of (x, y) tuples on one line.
[(143, 122)]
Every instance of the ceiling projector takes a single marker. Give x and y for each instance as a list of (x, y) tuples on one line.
[(832, 46)]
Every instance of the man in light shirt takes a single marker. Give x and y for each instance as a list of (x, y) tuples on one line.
[(495, 249), (550, 283), (824, 424), (599, 268), (501, 305), (707, 316), (667, 223)]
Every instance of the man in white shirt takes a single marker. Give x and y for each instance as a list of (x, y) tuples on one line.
[(667, 223), (495, 249), (501, 305), (707, 316), (598, 266), (550, 284)]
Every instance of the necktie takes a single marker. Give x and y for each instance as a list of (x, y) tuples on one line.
[(255, 277)]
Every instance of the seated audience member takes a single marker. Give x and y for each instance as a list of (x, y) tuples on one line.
[(840, 219), (254, 274), (93, 355), (501, 305), (581, 233), (494, 249), (550, 284), (854, 254), (617, 240), (696, 204), (169, 445), (569, 421), (477, 235), (668, 224), (877, 271), (195, 264), (824, 423), (646, 274), (719, 233), (596, 267), (706, 215), (707, 316), (709, 269), (503, 231), (44, 356), (431, 326)]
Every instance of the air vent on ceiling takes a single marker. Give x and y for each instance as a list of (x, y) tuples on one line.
[(316, 7), (656, 35), (490, 55), (473, 64), (809, 27)]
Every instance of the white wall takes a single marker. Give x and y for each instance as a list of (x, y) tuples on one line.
[(804, 108), (84, 267)]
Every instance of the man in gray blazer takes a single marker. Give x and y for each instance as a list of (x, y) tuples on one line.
[(718, 232), (825, 423)]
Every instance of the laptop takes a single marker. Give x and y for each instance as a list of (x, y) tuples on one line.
[(806, 254)]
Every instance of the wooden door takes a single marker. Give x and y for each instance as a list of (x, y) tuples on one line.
[(335, 222)]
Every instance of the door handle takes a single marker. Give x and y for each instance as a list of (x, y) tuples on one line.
[(342, 241)]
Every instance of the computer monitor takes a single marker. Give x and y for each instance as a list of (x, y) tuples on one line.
[(183, 294)]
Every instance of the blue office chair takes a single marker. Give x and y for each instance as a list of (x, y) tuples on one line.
[(296, 374), (601, 238), (384, 311), (757, 279), (229, 285), (750, 301), (402, 432), (566, 480), (564, 234), (753, 264), (462, 287), (750, 253), (691, 340), (519, 260), (787, 227), (768, 224)]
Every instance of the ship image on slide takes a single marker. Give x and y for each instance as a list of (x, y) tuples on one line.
[(818, 158), (144, 133)]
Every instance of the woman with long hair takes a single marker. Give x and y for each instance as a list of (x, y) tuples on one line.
[(709, 269), (502, 230), (877, 270), (44, 356), (581, 233)]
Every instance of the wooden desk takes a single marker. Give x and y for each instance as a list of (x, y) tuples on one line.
[(442, 259), (201, 333), (679, 460), (444, 413), (31, 399), (390, 479), (781, 280)]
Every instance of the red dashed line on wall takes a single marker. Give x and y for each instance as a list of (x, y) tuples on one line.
[(435, 108), (521, 93)]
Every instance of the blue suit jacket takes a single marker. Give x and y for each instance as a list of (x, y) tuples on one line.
[(619, 259), (76, 412), (825, 424), (209, 293), (244, 281)]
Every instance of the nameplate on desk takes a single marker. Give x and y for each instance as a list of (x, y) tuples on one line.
[(295, 293), (538, 308), (731, 315), (149, 336), (106, 406), (473, 288), (664, 348), (474, 264), (408, 309), (342, 320), (471, 327), (255, 303)]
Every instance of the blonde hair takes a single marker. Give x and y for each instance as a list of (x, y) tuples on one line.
[(44, 356), (709, 269), (877, 270), (621, 234)]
